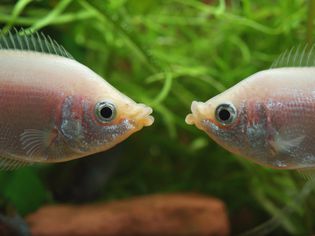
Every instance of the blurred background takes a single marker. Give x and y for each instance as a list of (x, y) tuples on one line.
[(167, 53)]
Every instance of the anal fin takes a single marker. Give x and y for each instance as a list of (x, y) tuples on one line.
[(307, 173), (8, 163)]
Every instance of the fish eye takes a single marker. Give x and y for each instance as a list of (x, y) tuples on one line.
[(105, 111), (225, 113)]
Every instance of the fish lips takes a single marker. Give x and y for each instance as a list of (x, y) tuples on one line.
[(199, 112), (142, 115)]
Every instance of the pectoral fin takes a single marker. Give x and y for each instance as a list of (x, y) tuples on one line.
[(36, 143), (285, 144)]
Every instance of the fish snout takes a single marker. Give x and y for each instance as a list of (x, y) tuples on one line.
[(142, 115), (199, 112)]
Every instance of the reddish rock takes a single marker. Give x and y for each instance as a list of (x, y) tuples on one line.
[(173, 214)]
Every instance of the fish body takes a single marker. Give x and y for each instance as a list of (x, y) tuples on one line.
[(268, 118), (53, 109)]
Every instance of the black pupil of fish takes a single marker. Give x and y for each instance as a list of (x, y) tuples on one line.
[(106, 112), (224, 115)]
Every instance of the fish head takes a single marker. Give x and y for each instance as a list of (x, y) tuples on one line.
[(221, 118), (237, 120), (101, 119)]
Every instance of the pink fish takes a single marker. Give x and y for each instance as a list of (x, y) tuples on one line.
[(269, 117), (54, 109)]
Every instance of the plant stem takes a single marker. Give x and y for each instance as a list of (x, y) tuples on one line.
[(310, 21)]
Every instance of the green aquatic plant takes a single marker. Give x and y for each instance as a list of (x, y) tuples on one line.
[(166, 54)]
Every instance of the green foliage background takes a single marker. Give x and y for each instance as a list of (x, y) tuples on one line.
[(167, 53)]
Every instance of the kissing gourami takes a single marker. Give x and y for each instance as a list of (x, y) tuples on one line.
[(269, 117), (53, 108)]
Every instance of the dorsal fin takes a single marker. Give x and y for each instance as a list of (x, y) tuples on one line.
[(28, 41), (301, 56)]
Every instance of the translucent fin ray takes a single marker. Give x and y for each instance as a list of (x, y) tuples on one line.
[(301, 56), (281, 143), (33, 142), (307, 173), (267, 227), (43, 143), (8, 163), (28, 41)]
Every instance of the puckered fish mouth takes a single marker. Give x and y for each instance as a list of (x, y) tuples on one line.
[(142, 115), (198, 113)]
